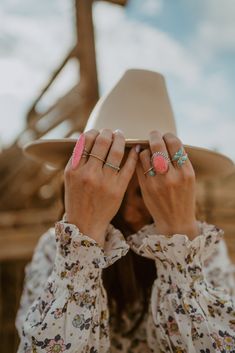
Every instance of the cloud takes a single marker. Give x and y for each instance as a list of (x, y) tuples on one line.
[(216, 29), (124, 43), (148, 7)]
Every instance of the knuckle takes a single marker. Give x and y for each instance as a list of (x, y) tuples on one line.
[(88, 180), (104, 141), (169, 135), (114, 193), (155, 133), (116, 153), (172, 140), (173, 182), (175, 145), (106, 131), (92, 132), (67, 172), (189, 175), (157, 145)]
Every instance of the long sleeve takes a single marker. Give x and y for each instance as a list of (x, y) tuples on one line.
[(187, 312), (70, 314), (37, 272)]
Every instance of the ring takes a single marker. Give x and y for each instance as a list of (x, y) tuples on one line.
[(94, 155), (150, 171), (160, 162), (85, 153), (112, 166), (180, 157)]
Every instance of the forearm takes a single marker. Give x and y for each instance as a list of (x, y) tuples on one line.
[(72, 309), (185, 311)]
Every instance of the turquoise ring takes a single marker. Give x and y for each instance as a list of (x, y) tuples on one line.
[(180, 157)]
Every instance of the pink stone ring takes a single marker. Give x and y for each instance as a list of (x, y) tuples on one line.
[(160, 162)]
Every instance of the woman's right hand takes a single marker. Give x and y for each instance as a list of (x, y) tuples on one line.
[(94, 191)]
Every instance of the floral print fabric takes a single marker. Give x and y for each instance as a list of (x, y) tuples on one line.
[(64, 304)]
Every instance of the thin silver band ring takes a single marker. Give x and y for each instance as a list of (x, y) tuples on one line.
[(112, 166), (151, 168)]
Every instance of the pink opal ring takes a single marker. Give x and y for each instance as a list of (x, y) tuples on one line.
[(160, 162)]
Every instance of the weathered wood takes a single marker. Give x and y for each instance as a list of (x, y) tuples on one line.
[(19, 243)]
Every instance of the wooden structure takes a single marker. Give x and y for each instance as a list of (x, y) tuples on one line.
[(31, 196), (31, 193)]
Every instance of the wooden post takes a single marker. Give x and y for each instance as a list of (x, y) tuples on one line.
[(86, 55)]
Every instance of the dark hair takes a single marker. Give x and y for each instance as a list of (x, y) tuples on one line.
[(128, 280)]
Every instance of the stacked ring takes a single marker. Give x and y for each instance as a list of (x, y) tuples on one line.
[(94, 155), (86, 154)]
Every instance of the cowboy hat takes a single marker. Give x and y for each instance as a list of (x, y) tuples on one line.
[(137, 104)]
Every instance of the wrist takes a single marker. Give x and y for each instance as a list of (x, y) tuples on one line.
[(96, 233), (190, 229)]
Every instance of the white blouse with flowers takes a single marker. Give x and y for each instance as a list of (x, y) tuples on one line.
[(64, 304)]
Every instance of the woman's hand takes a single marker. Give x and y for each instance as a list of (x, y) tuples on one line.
[(169, 197), (94, 191)]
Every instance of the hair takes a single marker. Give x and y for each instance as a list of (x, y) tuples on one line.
[(128, 280)]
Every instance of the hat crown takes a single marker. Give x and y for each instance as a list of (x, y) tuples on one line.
[(137, 104)]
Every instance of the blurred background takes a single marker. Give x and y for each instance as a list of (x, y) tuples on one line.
[(57, 57)]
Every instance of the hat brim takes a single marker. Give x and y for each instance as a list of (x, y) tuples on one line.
[(56, 152)]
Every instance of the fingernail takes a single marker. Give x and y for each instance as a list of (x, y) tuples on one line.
[(118, 131), (137, 148), (78, 149)]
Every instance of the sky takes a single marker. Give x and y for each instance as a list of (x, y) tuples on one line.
[(192, 43)]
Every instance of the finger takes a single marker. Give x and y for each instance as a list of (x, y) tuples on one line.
[(157, 144), (115, 154), (173, 145), (127, 170), (140, 174), (90, 137), (145, 161), (100, 148)]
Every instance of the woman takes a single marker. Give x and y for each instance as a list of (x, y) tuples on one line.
[(173, 291)]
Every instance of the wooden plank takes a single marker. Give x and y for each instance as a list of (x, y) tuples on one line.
[(19, 243)]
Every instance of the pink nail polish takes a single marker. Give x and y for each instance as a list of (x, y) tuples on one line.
[(78, 149)]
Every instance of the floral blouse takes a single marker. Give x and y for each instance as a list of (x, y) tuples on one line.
[(64, 304)]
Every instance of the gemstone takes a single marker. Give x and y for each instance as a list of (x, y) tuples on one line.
[(152, 172), (160, 164)]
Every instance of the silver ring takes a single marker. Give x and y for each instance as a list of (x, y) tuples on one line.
[(150, 171), (112, 166)]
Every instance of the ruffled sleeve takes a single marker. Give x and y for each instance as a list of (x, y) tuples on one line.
[(71, 313), (186, 312)]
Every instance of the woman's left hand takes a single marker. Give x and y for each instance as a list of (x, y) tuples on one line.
[(170, 197)]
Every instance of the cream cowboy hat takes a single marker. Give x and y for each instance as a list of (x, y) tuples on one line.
[(137, 104)]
